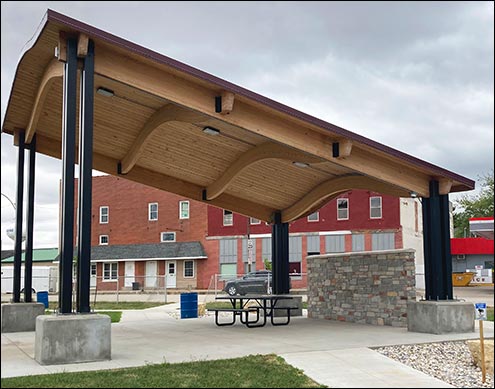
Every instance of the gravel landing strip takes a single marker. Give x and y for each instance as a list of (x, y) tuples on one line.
[(448, 361)]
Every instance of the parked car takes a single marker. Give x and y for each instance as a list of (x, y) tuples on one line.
[(259, 281), (253, 282)]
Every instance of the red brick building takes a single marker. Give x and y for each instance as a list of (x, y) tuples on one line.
[(144, 238)]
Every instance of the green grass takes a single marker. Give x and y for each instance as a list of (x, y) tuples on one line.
[(254, 371), (489, 313), (115, 305), (218, 304), (115, 316)]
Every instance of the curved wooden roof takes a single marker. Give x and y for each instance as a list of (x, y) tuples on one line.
[(152, 127)]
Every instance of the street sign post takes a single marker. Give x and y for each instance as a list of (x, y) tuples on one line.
[(480, 314)]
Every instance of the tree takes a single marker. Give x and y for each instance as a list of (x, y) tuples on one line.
[(480, 205)]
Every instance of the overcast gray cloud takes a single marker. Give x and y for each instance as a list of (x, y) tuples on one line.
[(416, 76)]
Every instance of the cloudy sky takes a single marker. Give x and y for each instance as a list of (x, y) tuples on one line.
[(416, 76)]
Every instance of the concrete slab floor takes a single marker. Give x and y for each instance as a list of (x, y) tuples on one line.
[(319, 347)]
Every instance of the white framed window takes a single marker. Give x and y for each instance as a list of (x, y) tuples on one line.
[(342, 209), (104, 214), (167, 237), (188, 269), (183, 209), (314, 217), (228, 218), (253, 220), (103, 240), (376, 207), (110, 271), (153, 211)]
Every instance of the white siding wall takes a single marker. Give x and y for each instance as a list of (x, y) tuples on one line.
[(411, 238)]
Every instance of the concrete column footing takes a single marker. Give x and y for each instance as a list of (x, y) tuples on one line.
[(440, 317), (72, 338), (21, 317)]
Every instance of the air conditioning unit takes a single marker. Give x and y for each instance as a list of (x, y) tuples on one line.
[(461, 257)]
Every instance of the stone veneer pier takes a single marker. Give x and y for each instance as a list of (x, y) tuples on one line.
[(371, 287)]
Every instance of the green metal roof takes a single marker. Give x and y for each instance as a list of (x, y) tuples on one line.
[(39, 255)]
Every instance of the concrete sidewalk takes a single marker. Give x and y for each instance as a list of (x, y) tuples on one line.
[(332, 353)]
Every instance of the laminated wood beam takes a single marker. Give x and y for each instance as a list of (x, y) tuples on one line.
[(332, 188)]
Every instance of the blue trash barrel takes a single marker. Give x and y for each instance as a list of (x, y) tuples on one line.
[(188, 305), (42, 297)]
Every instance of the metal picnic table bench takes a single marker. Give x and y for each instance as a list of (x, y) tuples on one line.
[(266, 303)]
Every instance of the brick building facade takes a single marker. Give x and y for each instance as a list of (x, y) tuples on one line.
[(145, 237)]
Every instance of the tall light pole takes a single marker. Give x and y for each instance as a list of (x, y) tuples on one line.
[(11, 231), (11, 202)]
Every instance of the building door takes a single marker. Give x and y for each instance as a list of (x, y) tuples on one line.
[(129, 274), (150, 281), (92, 279), (170, 270)]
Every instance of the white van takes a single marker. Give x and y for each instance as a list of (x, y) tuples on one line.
[(44, 279)]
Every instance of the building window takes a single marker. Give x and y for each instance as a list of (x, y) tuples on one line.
[(314, 217), (295, 269), (183, 209), (228, 258), (253, 220), (342, 209), (266, 251), (228, 218), (167, 236), (93, 270), (228, 270), (313, 244), (383, 241), (357, 242), (375, 207), (335, 243), (110, 271), (152, 211), (103, 240), (104, 215), (295, 256), (188, 269)]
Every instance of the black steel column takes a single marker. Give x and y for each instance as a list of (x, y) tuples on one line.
[(28, 262), (68, 158), (280, 256), (16, 297), (436, 243), (86, 103)]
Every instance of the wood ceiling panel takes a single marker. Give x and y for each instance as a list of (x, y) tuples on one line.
[(332, 168), (185, 147), (133, 95), (276, 179)]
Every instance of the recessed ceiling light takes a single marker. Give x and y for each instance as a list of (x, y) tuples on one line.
[(105, 92), (211, 131), (300, 164)]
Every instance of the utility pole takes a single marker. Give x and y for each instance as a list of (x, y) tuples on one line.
[(249, 245)]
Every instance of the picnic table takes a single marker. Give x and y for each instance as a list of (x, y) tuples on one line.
[(265, 306)]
